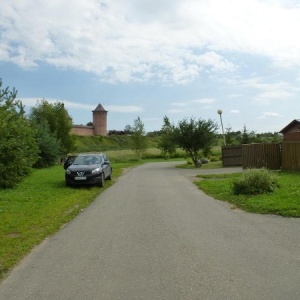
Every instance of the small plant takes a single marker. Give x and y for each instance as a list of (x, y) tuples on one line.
[(255, 181), (189, 161), (214, 158)]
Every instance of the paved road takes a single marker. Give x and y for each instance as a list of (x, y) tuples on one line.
[(154, 235)]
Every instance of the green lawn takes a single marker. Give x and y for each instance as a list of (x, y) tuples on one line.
[(284, 201)]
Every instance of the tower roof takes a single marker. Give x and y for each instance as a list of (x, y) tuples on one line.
[(99, 108)]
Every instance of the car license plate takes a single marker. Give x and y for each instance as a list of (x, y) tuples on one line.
[(80, 178)]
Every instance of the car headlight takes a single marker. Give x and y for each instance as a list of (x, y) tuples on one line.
[(68, 171), (96, 171)]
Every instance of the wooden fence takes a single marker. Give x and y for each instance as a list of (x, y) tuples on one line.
[(273, 156), (291, 156), (261, 156), (232, 156)]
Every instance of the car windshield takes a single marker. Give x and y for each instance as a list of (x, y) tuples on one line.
[(87, 160)]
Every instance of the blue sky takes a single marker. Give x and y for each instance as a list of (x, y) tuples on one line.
[(179, 58)]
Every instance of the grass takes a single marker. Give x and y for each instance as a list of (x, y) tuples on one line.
[(284, 201), (38, 207), (210, 165)]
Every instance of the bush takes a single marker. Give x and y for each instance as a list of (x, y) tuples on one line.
[(255, 181), (213, 158), (48, 144), (189, 161), (18, 147)]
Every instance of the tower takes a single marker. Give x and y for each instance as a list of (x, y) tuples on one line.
[(100, 120)]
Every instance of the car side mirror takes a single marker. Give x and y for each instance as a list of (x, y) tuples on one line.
[(68, 162)]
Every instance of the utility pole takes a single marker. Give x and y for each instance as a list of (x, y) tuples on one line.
[(219, 111)]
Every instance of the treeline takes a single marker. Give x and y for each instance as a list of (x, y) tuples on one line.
[(248, 137), (33, 141), (238, 137)]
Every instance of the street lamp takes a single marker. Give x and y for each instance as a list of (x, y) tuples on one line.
[(219, 111)]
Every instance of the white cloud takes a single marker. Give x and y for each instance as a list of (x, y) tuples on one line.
[(268, 97), (73, 105), (180, 104), (204, 101), (135, 40), (234, 111), (124, 108), (260, 83), (268, 92), (269, 115)]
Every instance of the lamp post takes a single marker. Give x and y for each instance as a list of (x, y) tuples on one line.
[(219, 111)]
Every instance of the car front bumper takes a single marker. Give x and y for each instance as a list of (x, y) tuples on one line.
[(84, 180)]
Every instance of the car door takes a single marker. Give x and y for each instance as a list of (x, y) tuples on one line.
[(106, 166)]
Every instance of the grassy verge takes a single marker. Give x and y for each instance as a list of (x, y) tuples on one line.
[(38, 207), (284, 201)]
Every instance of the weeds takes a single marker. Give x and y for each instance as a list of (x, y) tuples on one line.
[(255, 181)]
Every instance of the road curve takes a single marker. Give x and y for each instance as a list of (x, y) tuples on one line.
[(155, 235)]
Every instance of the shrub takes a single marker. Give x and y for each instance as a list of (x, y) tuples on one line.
[(255, 181), (189, 161), (18, 147), (214, 158), (48, 145)]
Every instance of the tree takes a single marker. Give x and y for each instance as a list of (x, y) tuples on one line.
[(230, 137), (128, 129), (58, 119), (18, 148), (195, 135), (48, 144), (247, 137), (138, 139), (167, 143)]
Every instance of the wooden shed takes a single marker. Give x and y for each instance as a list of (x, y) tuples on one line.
[(291, 132)]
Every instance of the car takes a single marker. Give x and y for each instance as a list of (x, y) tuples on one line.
[(89, 169), (69, 160)]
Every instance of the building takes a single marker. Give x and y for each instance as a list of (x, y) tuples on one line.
[(291, 132), (99, 124)]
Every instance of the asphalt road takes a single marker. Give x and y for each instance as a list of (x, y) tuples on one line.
[(154, 235)]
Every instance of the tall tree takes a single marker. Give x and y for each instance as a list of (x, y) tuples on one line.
[(195, 135), (138, 139), (58, 119), (167, 143), (18, 148)]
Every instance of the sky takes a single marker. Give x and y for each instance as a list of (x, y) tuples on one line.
[(150, 59)]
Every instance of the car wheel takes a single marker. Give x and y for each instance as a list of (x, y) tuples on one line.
[(101, 183)]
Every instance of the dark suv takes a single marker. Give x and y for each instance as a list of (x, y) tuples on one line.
[(89, 169)]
